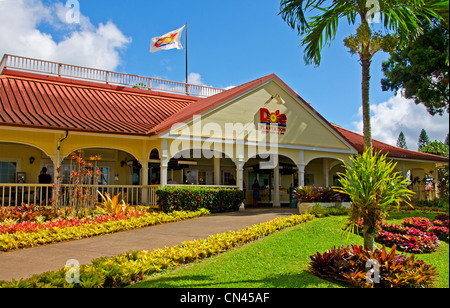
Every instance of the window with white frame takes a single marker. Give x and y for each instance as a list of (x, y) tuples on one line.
[(8, 172)]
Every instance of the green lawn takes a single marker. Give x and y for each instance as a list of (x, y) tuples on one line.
[(280, 260)]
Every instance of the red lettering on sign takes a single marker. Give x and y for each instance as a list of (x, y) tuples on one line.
[(272, 118)]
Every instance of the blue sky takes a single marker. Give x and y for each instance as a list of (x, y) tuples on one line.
[(230, 42)]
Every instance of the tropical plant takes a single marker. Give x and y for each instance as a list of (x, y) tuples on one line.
[(113, 205), (316, 194), (401, 18), (372, 185), (306, 194), (348, 265)]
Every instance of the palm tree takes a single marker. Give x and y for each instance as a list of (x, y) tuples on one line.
[(401, 18)]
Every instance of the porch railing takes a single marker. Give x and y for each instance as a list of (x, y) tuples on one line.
[(41, 194), (91, 74)]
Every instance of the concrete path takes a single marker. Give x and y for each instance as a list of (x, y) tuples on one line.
[(26, 262)]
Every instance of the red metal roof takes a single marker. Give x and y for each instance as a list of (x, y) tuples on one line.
[(31, 100), (357, 141)]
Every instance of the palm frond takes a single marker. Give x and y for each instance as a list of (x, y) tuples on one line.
[(320, 27), (323, 29), (294, 12)]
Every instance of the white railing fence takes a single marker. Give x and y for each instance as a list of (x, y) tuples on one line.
[(78, 72), (41, 194)]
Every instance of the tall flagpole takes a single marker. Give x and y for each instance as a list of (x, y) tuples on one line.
[(187, 53)]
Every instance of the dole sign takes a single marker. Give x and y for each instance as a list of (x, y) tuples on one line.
[(272, 122)]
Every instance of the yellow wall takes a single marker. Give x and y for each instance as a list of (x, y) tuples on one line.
[(20, 154), (42, 139)]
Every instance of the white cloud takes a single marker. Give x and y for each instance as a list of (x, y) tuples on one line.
[(196, 78), (398, 114), (81, 44)]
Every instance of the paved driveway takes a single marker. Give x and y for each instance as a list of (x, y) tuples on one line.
[(26, 262)]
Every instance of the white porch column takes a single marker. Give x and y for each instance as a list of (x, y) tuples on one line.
[(144, 180), (325, 173), (276, 184), (301, 175), (240, 175), (164, 163), (436, 182), (216, 170), (301, 169), (164, 167)]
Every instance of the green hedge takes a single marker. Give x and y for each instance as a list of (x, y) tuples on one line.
[(193, 198)]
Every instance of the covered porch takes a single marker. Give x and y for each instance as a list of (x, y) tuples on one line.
[(31, 175)]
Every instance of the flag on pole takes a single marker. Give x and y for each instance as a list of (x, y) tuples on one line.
[(167, 41)]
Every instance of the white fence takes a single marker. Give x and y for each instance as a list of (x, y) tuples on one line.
[(108, 77), (41, 194)]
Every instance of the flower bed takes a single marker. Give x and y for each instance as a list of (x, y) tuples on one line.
[(416, 235), (27, 212), (30, 234), (348, 265), (33, 226)]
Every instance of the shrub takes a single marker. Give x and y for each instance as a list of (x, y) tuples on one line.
[(348, 265), (322, 211), (316, 194), (27, 212), (421, 223), (416, 235), (113, 205), (442, 217), (414, 241), (436, 203), (193, 198)]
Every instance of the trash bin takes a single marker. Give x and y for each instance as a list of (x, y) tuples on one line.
[(292, 200)]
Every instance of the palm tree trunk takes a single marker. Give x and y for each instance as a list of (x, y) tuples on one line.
[(365, 63), (370, 231), (369, 240)]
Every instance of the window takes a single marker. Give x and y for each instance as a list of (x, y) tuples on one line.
[(8, 172), (229, 179)]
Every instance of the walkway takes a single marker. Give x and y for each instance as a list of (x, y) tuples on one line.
[(26, 262)]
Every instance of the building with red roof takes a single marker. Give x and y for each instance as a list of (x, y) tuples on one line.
[(151, 131)]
